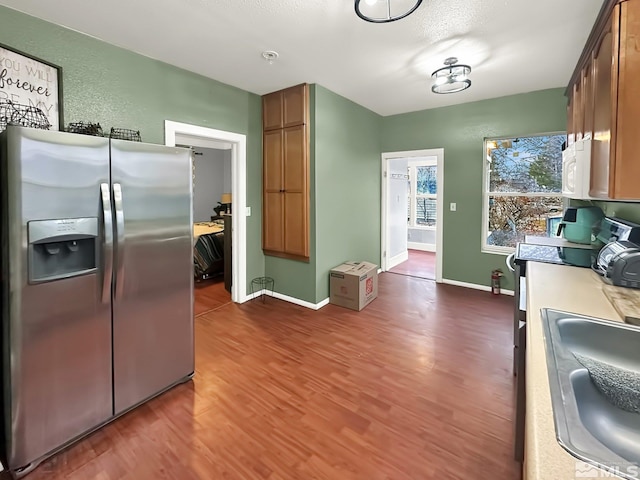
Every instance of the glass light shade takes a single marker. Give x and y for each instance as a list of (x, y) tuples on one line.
[(384, 11), (451, 79)]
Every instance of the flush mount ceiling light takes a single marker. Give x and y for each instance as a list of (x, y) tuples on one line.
[(452, 78), (385, 11)]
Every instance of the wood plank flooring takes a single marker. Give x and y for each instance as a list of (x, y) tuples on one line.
[(420, 264), (210, 295), (416, 386)]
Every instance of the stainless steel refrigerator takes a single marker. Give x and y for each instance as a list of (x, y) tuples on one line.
[(97, 283)]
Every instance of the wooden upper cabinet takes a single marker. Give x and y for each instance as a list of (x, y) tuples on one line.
[(578, 111), (272, 114), (605, 66), (285, 108), (285, 223), (295, 101), (604, 101), (587, 100), (571, 133), (626, 170)]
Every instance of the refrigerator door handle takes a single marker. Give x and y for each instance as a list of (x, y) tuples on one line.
[(108, 242), (119, 277)]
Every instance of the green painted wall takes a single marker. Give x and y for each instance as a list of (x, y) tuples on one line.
[(347, 167), (293, 278), (119, 88), (625, 210), (106, 84), (461, 130)]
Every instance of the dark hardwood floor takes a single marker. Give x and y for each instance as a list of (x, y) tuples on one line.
[(420, 264), (418, 385), (209, 295)]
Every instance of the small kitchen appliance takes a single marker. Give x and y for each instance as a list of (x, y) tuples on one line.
[(578, 223), (619, 264)]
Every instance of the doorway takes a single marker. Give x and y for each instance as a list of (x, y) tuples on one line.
[(412, 201), (207, 138), (212, 204)]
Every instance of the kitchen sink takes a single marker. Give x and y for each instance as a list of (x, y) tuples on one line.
[(594, 375)]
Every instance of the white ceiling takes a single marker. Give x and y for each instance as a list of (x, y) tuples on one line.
[(513, 46)]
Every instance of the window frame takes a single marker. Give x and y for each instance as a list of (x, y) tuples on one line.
[(413, 190), (495, 249)]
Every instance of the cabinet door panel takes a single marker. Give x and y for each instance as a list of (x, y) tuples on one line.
[(272, 111), (295, 227), (571, 134), (295, 158), (578, 112), (272, 222), (587, 104), (605, 92), (272, 161), (627, 167), (295, 105)]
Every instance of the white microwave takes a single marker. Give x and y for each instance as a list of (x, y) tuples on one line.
[(576, 170)]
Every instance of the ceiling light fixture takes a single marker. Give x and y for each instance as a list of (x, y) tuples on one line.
[(270, 56), (451, 79), (385, 11)]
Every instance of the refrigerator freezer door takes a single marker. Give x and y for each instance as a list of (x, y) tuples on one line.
[(153, 270), (58, 334)]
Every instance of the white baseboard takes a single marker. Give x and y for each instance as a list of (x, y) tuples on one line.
[(287, 298), (424, 247), (475, 286), (397, 260)]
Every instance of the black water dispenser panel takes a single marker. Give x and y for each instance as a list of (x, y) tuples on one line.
[(62, 248)]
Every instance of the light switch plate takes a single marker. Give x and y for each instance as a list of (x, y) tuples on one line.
[(453, 207), (248, 211)]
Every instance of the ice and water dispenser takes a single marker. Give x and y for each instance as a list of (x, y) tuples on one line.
[(62, 248)]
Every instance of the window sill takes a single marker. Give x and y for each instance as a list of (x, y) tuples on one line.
[(421, 227), (502, 251)]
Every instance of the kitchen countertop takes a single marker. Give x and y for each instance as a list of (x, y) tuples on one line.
[(547, 286), (553, 241)]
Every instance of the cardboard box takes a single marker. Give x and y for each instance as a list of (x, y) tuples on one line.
[(353, 284)]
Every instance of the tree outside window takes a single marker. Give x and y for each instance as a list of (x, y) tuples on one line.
[(523, 185), (423, 191)]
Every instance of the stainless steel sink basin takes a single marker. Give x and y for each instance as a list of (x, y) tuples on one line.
[(594, 375)]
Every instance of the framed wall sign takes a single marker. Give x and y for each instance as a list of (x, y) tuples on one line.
[(30, 81)]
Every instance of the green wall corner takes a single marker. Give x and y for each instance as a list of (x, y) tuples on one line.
[(461, 130), (106, 84)]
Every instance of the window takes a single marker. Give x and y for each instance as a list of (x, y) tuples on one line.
[(423, 191), (522, 189)]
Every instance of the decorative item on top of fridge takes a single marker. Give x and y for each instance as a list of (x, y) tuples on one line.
[(125, 134), (85, 128), (24, 115)]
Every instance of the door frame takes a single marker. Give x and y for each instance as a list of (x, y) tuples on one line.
[(203, 137), (384, 233)]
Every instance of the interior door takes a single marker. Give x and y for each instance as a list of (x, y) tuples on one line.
[(153, 270), (397, 211)]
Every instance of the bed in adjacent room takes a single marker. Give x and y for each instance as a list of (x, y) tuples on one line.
[(208, 249)]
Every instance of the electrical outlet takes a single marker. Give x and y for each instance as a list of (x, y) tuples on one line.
[(453, 207)]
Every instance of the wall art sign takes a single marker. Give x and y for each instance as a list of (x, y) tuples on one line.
[(32, 82)]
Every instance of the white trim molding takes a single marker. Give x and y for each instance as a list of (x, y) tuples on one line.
[(475, 286), (398, 259), (177, 133), (287, 298), (424, 247), (414, 154)]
